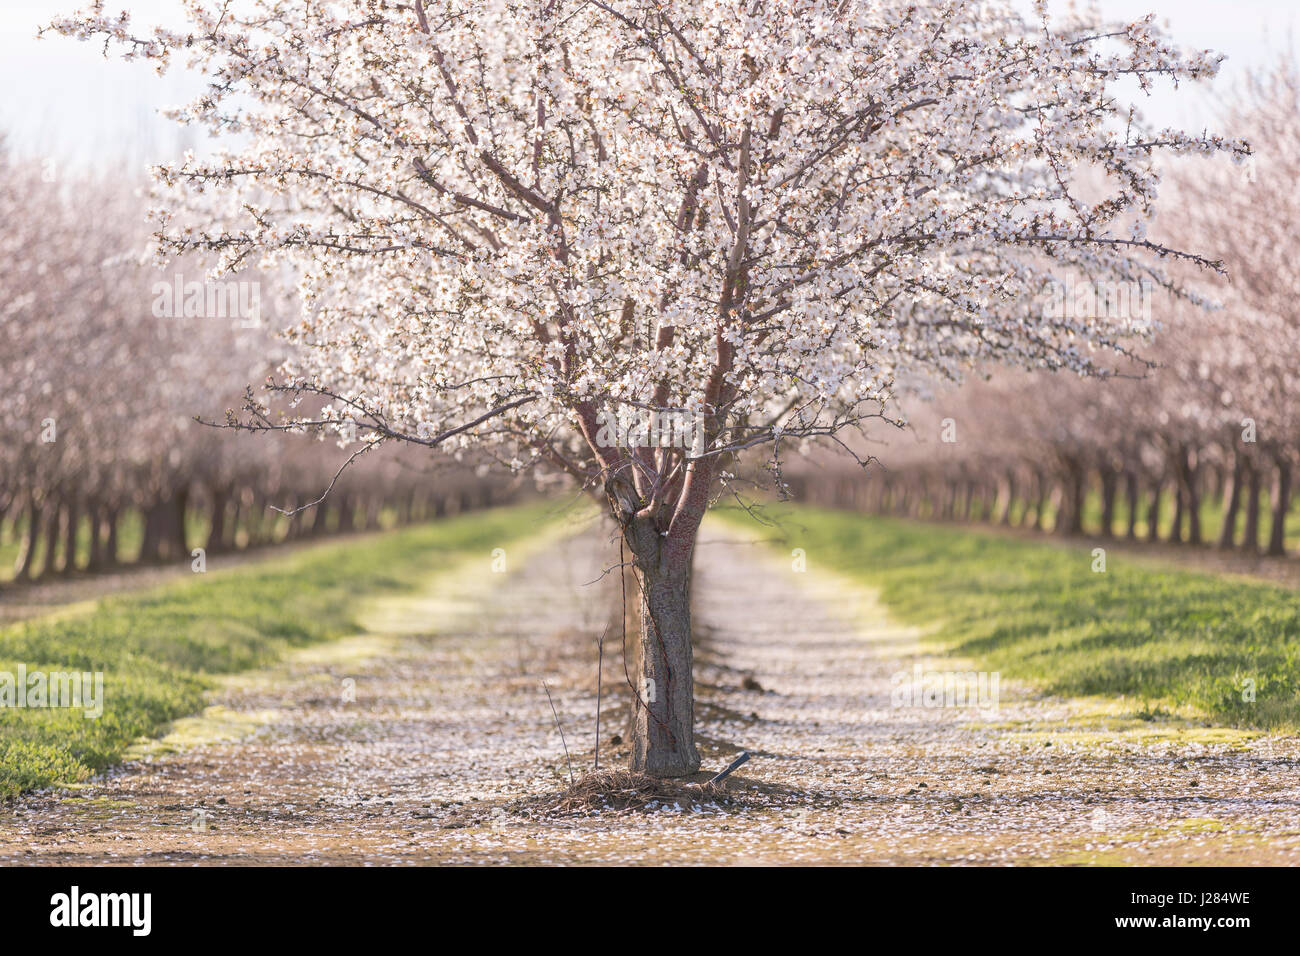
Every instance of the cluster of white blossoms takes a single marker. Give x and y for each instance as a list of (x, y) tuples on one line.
[(510, 216)]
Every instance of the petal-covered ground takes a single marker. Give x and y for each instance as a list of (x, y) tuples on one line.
[(423, 739)]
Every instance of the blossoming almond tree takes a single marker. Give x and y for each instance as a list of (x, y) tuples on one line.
[(516, 223)]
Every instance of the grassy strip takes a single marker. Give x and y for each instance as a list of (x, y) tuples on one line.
[(157, 650), (1040, 612)]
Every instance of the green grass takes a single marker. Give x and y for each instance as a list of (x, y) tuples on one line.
[(159, 650), (1037, 611)]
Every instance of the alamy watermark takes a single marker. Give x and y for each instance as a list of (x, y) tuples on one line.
[(48, 689), (235, 299), (634, 427), (1121, 301), (925, 688), (132, 911)]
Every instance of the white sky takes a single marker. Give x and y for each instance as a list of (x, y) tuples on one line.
[(64, 101)]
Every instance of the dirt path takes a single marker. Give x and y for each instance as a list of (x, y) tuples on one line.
[(450, 725)]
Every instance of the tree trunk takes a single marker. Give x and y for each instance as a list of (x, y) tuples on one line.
[(1231, 503), (238, 517), (1109, 486), (1180, 509), (25, 567), (1250, 531), (663, 744), (110, 541), (154, 527), (70, 537), (95, 514), (292, 525), (217, 526), (318, 516), (1040, 502), (347, 514), (1006, 496), (1131, 496), (258, 523), (1153, 510), (51, 539), (1055, 507), (1280, 502), (1191, 486), (1069, 517)]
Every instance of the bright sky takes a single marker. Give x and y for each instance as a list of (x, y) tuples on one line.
[(63, 100)]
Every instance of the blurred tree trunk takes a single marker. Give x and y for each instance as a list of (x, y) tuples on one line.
[(1280, 503), (24, 566), (1132, 498), (1190, 476), (1231, 502), (1153, 509), (178, 512), (216, 542), (95, 514), (1074, 486), (347, 511), (52, 515), (73, 517), (1254, 490), (111, 556), (1109, 486)]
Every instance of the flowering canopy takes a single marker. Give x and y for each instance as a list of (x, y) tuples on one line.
[(512, 217)]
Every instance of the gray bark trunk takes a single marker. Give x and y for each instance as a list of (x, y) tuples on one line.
[(663, 742)]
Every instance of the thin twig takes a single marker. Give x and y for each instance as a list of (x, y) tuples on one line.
[(730, 767), (560, 729), (600, 669), (333, 481)]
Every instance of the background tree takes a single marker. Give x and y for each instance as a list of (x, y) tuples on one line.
[(98, 441), (1209, 426)]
